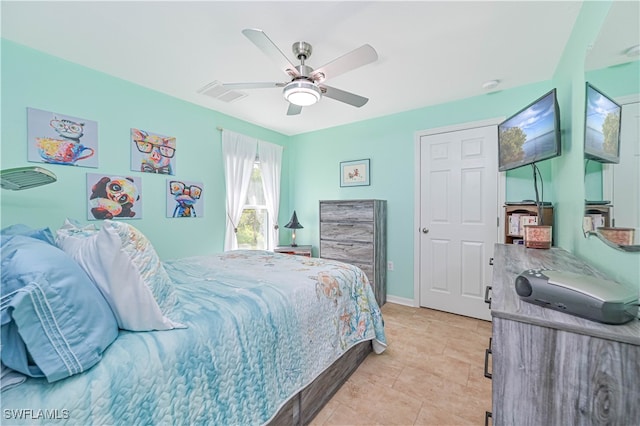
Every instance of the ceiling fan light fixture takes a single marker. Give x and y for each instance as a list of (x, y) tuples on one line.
[(302, 93)]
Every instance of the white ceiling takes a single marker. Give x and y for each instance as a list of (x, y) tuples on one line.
[(430, 52)]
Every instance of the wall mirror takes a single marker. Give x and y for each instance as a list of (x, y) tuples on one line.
[(612, 191)]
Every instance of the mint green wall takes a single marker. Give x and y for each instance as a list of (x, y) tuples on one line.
[(390, 143), (616, 81), (520, 182), (593, 188), (310, 163), (33, 79)]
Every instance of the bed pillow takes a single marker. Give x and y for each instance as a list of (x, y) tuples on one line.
[(126, 268), (43, 234), (55, 322)]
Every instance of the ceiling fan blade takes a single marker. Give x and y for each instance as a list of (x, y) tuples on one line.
[(294, 109), (265, 85), (342, 96), (264, 43), (363, 55)]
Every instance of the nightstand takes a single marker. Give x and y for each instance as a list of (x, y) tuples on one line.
[(298, 250)]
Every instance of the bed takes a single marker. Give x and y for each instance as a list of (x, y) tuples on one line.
[(243, 337)]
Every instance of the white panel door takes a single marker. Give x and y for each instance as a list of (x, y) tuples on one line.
[(626, 175), (458, 219)]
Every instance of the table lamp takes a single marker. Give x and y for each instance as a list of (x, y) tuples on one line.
[(293, 224)]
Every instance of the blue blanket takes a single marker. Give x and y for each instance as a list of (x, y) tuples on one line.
[(261, 326)]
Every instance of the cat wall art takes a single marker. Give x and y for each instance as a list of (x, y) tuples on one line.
[(55, 138)]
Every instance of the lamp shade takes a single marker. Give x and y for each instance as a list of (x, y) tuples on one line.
[(293, 223)]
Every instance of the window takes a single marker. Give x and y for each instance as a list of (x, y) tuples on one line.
[(246, 179), (254, 223)]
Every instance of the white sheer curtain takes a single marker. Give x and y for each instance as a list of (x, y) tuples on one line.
[(270, 165), (239, 154)]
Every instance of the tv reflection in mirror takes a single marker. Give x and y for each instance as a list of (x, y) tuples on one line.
[(602, 127), (531, 135)]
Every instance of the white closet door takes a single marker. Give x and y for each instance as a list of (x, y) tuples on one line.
[(459, 211)]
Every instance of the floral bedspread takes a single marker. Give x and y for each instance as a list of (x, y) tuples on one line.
[(261, 326)]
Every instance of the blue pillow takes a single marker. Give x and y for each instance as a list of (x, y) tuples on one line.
[(43, 234), (55, 322)]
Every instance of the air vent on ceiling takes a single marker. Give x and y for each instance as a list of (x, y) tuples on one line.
[(216, 90)]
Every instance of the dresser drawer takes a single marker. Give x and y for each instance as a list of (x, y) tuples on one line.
[(367, 268), (347, 251), (354, 232), (357, 210), (349, 231)]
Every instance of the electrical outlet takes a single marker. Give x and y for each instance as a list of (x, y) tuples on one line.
[(390, 266)]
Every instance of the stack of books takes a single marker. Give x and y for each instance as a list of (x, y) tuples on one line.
[(592, 221), (517, 222)]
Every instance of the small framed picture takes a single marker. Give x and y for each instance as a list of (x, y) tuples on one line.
[(61, 139), (113, 197), (355, 173), (152, 153), (185, 198)]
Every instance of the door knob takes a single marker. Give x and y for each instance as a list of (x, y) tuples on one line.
[(425, 231)]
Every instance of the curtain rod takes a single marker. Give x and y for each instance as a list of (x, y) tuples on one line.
[(218, 128)]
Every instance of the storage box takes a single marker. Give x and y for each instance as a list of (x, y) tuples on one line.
[(528, 220), (620, 236), (537, 236)]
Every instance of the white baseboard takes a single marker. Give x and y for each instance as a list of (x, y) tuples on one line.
[(400, 300)]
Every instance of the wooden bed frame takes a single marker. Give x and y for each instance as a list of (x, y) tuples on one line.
[(306, 404)]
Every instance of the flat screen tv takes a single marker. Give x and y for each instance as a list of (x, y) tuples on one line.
[(601, 127), (531, 135)]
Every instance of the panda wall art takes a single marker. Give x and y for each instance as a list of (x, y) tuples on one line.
[(113, 197)]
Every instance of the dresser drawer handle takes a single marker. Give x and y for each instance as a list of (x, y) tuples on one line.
[(487, 415), (345, 244), (344, 224), (487, 299), (487, 352)]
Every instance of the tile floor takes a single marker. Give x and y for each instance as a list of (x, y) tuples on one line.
[(432, 373)]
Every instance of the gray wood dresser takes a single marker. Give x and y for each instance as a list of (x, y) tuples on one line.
[(355, 231), (552, 368)]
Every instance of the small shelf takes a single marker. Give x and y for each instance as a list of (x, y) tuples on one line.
[(511, 212), (596, 217), (628, 248)]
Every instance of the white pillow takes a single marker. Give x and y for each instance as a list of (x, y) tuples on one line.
[(126, 268)]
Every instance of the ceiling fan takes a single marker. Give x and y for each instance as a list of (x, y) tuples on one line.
[(306, 86)]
